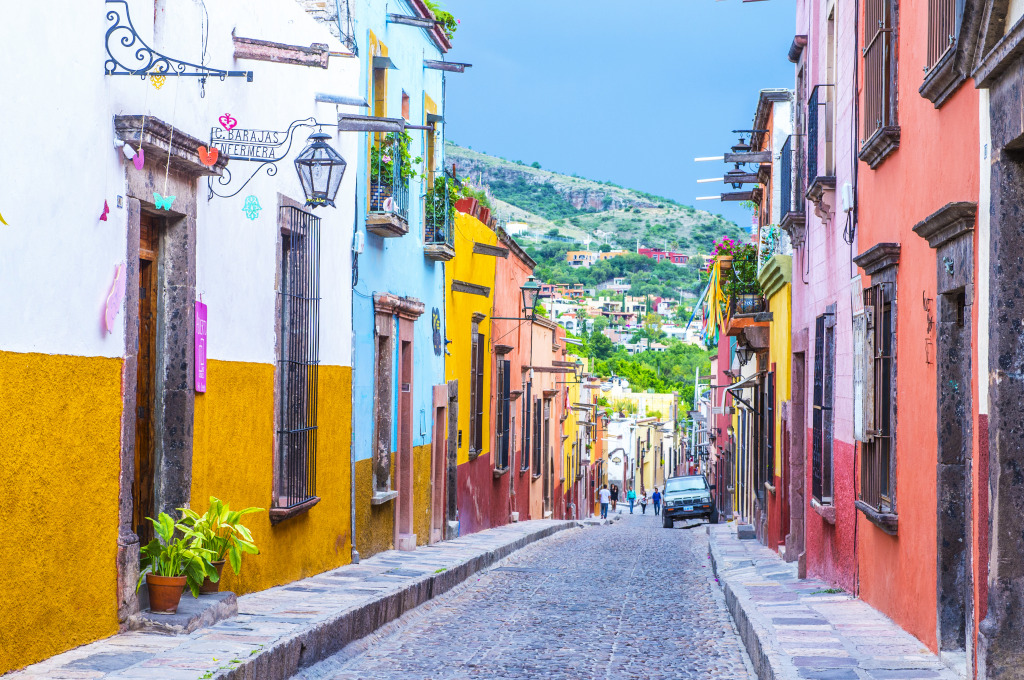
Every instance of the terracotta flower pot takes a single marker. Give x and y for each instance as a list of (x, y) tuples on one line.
[(725, 261), (208, 585), (164, 593)]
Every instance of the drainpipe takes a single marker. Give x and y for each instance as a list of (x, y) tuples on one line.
[(352, 350)]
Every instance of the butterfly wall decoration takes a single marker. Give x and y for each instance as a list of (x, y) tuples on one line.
[(3, 220), (162, 202), (114, 298), (139, 159), (106, 211)]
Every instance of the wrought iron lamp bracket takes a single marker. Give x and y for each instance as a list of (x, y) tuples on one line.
[(268, 164), (123, 39)]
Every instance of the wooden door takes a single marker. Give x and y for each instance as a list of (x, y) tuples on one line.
[(142, 489)]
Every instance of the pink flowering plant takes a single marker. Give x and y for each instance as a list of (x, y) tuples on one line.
[(726, 246), (382, 159)]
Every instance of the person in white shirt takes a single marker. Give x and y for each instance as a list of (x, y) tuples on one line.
[(606, 498)]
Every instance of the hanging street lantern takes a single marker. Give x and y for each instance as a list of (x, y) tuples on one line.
[(531, 295), (320, 170)]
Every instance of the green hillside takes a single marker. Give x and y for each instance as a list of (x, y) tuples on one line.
[(566, 212)]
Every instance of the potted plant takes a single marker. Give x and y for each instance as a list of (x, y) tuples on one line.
[(439, 209), (723, 253), (170, 562), (220, 531), (391, 163)]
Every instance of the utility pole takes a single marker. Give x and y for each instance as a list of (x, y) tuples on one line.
[(693, 421)]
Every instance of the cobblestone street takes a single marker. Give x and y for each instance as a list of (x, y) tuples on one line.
[(629, 600)]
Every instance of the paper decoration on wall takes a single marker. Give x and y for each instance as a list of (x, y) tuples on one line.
[(115, 298), (162, 202), (227, 121), (139, 158), (208, 157), (106, 211), (126, 149), (3, 220), (389, 205), (158, 81), (200, 346), (252, 207)]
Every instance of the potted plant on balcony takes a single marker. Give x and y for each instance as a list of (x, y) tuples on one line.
[(220, 531), (439, 208), (742, 286), (171, 562), (449, 24), (391, 163), (723, 253)]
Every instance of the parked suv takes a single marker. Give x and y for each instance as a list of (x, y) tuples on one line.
[(687, 497)]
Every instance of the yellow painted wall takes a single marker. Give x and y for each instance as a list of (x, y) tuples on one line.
[(60, 442), (233, 460), (780, 354), (479, 269), (375, 524), (421, 490)]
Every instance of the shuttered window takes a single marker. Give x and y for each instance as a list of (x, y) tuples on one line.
[(876, 453), (527, 432), (537, 424), (879, 67), (502, 412), (941, 29), (476, 392), (821, 418)]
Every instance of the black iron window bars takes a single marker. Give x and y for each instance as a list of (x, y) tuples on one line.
[(299, 357)]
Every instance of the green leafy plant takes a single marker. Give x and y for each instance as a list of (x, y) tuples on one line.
[(449, 24), (440, 199), (171, 555), (220, 531), (742, 278), (382, 159)]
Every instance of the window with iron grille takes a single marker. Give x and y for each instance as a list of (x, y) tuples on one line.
[(299, 356), (476, 392), (876, 487), (941, 29), (821, 420), (527, 434), (537, 424), (501, 415), (879, 67)]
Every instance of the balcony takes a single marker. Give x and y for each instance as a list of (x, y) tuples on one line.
[(792, 217), (749, 316), (821, 173), (439, 217), (390, 169)]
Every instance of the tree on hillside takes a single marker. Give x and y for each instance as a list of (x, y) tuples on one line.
[(604, 248), (600, 346), (535, 164), (600, 323)]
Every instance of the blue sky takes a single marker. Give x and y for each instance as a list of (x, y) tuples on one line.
[(624, 91)]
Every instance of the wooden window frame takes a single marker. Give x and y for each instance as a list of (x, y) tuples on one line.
[(822, 477), (502, 415), (881, 133), (878, 454)]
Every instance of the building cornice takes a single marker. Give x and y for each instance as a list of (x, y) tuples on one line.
[(878, 257), (948, 222), (776, 273), (405, 307), (160, 140)]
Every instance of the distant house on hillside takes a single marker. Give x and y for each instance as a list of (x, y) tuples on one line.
[(658, 255)]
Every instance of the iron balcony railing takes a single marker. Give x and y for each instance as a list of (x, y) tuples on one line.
[(389, 181), (792, 178), (877, 67), (439, 210), (819, 133), (746, 304), (941, 26)]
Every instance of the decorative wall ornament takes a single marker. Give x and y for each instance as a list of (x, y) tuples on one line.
[(115, 297), (138, 158), (435, 324), (106, 211), (128, 55), (163, 202), (157, 81), (3, 220), (252, 207), (227, 121), (947, 262), (208, 156), (200, 346)]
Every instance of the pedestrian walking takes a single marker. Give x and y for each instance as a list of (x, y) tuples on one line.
[(615, 496), (605, 495), (656, 497), (643, 503), (631, 497)]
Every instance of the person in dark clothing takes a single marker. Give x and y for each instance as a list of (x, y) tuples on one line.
[(615, 496), (656, 499)]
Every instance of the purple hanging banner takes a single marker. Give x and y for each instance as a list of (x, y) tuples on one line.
[(200, 347)]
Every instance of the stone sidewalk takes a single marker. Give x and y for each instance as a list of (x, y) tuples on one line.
[(280, 630), (800, 629)]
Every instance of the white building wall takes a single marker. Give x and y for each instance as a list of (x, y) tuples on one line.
[(58, 259)]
